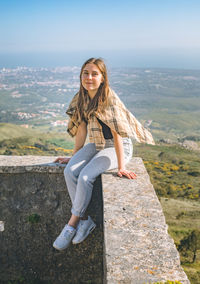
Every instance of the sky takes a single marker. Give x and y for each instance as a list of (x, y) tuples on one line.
[(137, 31)]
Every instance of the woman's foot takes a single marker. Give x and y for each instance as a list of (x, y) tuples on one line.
[(84, 228), (65, 238)]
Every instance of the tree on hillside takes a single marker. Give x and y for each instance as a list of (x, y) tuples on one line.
[(191, 243)]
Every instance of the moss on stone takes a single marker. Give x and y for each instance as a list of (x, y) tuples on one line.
[(34, 218)]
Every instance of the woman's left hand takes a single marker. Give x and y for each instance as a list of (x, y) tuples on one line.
[(126, 173)]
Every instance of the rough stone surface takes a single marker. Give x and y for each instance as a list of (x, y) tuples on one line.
[(24, 164), (135, 248), (138, 248), (26, 251)]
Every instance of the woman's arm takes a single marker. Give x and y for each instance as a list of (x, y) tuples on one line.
[(118, 142), (79, 142), (80, 137)]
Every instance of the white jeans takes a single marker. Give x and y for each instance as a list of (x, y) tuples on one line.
[(84, 167)]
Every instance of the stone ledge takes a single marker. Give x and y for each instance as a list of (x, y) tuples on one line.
[(138, 248), (28, 163)]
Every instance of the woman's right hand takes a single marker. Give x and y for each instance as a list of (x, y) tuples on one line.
[(62, 160)]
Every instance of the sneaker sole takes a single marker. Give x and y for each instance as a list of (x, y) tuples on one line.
[(60, 249), (90, 231)]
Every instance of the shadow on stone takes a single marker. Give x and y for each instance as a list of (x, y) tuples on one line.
[(34, 207)]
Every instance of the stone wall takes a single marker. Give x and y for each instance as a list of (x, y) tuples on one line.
[(138, 248), (34, 208), (129, 245)]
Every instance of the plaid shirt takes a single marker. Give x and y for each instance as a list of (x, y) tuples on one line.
[(116, 116)]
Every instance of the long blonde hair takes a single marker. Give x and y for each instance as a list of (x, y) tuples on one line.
[(85, 109)]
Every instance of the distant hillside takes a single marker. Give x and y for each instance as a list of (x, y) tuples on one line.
[(9, 130), (165, 100), (16, 140)]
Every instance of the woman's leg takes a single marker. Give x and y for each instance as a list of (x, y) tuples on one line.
[(75, 165), (71, 173), (102, 161)]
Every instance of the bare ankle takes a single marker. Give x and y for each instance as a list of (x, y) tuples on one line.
[(74, 221)]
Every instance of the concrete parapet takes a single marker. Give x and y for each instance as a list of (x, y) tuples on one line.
[(138, 248), (131, 245)]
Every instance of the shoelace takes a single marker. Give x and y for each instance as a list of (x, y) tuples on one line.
[(66, 230)]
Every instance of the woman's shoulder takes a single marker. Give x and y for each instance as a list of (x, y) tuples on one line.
[(111, 92), (74, 99), (112, 95), (113, 98), (73, 104)]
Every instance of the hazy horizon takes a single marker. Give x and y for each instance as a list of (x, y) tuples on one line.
[(121, 58)]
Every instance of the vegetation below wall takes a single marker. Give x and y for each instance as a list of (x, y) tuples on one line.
[(174, 173), (174, 170)]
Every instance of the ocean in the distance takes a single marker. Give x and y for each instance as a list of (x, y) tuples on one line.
[(136, 59)]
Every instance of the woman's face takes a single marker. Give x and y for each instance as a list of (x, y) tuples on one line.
[(91, 78)]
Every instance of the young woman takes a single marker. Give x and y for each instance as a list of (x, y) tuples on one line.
[(98, 111)]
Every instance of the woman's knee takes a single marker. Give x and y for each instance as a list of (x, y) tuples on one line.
[(68, 172), (86, 179)]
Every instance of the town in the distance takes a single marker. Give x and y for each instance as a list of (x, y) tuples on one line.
[(165, 100)]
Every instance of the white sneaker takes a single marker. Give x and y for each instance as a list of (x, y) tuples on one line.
[(84, 228), (64, 239)]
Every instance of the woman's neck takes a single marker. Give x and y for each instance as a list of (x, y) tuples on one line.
[(92, 94)]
